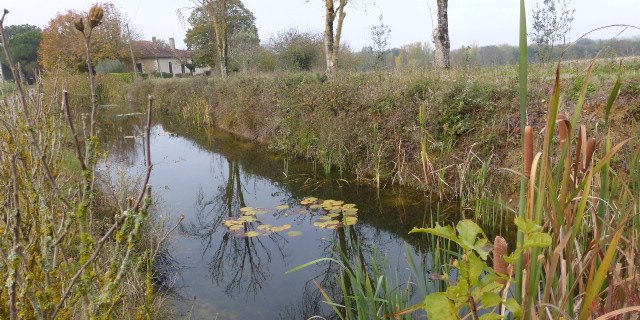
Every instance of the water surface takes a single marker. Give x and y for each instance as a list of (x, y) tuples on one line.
[(208, 176)]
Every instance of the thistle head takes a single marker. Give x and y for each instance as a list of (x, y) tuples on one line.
[(95, 15), (79, 24)]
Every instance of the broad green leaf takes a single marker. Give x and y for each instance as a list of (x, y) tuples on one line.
[(537, 239), (525, 225), (459, 293), (468, 233), (444, 232), (491, 316), (282, 207), (438, 307), (476, 266), (294, 233), (491, 299), (513, 258), (483, 248), (515, 308)]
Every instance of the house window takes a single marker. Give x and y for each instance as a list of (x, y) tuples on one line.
[(139, 67), (170, 68)]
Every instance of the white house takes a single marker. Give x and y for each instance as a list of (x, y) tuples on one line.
[(158, 56)]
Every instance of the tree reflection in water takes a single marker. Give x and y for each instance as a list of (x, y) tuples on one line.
[(236, 263)]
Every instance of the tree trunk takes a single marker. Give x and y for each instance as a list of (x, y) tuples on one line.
[(218, 12), (441, 36), (331, 39), (328, 37)]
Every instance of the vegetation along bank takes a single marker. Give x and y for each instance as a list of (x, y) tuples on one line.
[(445, 131)]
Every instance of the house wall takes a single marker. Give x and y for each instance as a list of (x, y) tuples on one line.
[(150, 65)]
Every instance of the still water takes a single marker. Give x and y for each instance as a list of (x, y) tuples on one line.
[(209, 176)]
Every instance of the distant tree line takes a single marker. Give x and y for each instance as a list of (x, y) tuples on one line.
[(59, 46)]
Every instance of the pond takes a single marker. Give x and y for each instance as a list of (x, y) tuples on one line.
[(223, 268)]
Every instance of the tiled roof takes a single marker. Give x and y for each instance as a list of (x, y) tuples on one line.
[(157, 49)]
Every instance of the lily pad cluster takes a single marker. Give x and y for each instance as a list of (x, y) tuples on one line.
[(249, 215), (336, 214)]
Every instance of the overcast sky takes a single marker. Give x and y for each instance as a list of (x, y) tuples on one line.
[(483, 22)]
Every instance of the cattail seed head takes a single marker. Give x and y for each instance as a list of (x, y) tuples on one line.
[(79, 24), (500, 250), (95, 16), (528, 150), (563, 130), (591, 149)]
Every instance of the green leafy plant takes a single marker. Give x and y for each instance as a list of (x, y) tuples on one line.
[(474, 286)]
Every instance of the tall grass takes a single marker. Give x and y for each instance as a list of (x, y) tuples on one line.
[(62, 255), (576, 253)]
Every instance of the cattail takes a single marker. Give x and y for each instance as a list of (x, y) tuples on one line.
[(500, 250), (563, 130), (591, 149), (79, 24), (95, 16), (528, 150)]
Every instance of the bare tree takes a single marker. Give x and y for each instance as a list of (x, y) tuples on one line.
[(380, 36), (551, 23), (332, 35), (441, 36)]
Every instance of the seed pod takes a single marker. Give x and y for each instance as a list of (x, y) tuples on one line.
[(528, 150), (563, 130), (79, 25), (95, 16), (591, 149), (500, 250)]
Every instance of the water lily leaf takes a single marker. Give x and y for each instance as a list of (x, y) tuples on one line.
[(230, 223), (350, 221), (281, 228), (349, 206), (236, 227), (320, 224), (333, 215), (349, 213), (248, 218), (294, 233), (282, 207), (265, 227), (315, 207), (246, 209), (308, 200), (252, 234)]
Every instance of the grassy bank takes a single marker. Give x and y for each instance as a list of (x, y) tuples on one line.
[(370, 124)]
